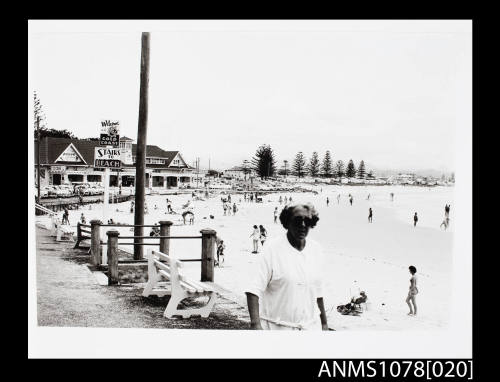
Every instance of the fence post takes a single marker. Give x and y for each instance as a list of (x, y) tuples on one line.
[(95, 242), (207, 254), (165, 231), (113, 257), (78, 235)]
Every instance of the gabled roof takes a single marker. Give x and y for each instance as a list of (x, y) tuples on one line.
[(51, 148)]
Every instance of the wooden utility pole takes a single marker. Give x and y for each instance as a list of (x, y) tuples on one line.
[(38, 156), (140, 170)]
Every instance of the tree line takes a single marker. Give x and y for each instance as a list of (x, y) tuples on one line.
[(265, 165)]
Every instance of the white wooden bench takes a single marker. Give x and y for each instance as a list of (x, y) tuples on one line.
[(165, 277)]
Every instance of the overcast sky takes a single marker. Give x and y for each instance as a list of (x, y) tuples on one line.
[(388, 93)]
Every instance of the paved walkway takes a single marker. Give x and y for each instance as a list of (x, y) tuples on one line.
[(68, 294)]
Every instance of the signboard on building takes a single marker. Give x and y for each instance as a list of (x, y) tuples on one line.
[(57, 169), (107, 158), (126, 156), (110, 133)]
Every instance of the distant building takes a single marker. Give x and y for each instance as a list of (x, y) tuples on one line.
[(67, 161), (238, 172)]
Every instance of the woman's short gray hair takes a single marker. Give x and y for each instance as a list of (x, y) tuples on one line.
[(287, 213)]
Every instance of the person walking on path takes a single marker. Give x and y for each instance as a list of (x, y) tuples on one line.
[(286, 289), (412, 293), (327, 201), (370, 215), (255, 239), (276, 215), (263, 234), (415, 219)]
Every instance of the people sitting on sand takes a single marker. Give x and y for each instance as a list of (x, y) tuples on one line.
[(110, 221), (189, 216), (353, 307)]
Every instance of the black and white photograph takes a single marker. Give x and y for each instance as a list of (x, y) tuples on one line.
[(266, 188)]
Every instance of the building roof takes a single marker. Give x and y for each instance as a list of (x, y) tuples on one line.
[(51, 148)]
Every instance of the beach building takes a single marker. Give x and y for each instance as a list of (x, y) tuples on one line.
[(238, 173), (70, 161)]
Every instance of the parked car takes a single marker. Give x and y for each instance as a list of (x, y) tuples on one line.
[(52, 190)]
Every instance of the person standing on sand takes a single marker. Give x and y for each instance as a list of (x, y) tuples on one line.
[(65, 217), (368, 197), (263, 234), (370, 215), (281, 199), (327, 201), (224, 206), (234, 208), (82, 219), (447, 210), (392, 196), (350, 199), (415, 219), (338, 199), (286, 291), (412, 293), (255, 238), (276, 215)]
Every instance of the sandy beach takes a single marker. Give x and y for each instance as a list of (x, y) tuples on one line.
[(373, 257)]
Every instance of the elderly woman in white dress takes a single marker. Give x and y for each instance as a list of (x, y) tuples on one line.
[(286, 291)]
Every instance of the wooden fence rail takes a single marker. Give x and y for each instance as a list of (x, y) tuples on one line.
[(207, 248)]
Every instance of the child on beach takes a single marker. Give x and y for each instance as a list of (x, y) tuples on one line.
[(255, 238), (220, 253), (415, 219), (263, 234), (276, 214), (65, 217), (412, 293)]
